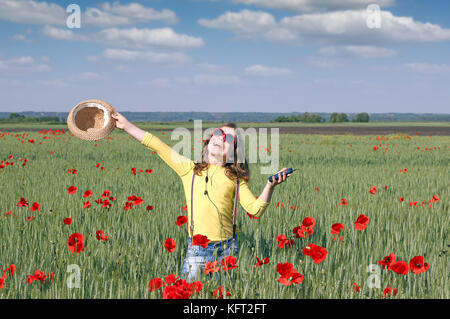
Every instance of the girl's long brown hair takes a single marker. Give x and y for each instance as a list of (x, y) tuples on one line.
[(232, 170)]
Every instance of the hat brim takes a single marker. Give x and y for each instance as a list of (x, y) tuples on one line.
[(91, 120)]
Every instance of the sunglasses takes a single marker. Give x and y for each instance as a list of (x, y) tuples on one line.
[(226, 137)]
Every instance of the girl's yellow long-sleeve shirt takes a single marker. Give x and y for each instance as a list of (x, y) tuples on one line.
[(213, 216)]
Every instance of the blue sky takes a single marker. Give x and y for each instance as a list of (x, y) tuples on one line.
[(227, 55)]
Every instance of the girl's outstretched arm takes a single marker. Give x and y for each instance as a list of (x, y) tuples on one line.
[(123, 124), (179, 163)]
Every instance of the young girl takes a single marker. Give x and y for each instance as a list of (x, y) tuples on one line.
[(210, 188)]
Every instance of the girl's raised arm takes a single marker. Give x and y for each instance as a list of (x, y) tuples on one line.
[(123, 124), (180, 164)]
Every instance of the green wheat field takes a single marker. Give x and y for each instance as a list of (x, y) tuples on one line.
[(330, 168)]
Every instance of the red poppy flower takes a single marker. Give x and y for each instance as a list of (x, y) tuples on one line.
[(170, 279), (317, 189), (200, 240), (388, 291), (218, 292), (336, 228), (72, 190), (106, 203), (388, 261), (30, 218), (343, 202), (75, 243), (128, 206), (401, 199), (413, 203), (133, 170), (86, 205), (295, 278), (88, 193), (435, 199), (149, 171), (100, 234), (251, 216), (283, 241), (106, 193), (261, 262), (317, 253), (185, 208), (287, 271), (228, 262), (8, 213), (136, 200), (35, 207), (179, 290), (309, 222), (67, 220), (155, 284), (417, 265), (11, 269), (22, 202), (150, 207), (373, 190), (38, 275), (356, 287), (181, 220), (210, 267), (361, 222), (170, 245), (299, 231), (198, 285), (400, 267)]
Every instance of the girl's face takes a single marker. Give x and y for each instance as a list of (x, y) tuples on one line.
[(217, 145)]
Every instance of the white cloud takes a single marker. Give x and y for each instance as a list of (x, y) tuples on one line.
[(58, 83), (32, 12), (89, 76), (338, 27), (163, 83), (265, 71), (208, 67), (216, 80), (24, 63), (20, 38), (324, 63), (141, 38), (313, 5), (242, 23), (36, 12), (136, 12), (146, 56), (130, 38), (62, 34), (427, 68), (362, 51)]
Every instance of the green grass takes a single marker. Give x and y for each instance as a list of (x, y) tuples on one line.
[(135, 254), (205, 124)]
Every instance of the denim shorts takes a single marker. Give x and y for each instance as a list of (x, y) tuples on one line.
[(197, 256)]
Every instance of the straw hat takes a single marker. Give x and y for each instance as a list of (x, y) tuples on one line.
[(91, 120)]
